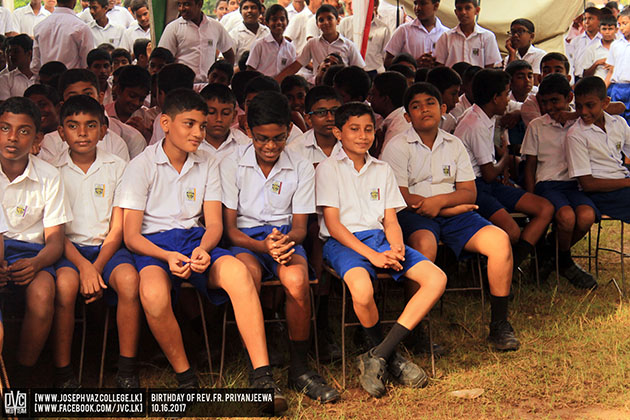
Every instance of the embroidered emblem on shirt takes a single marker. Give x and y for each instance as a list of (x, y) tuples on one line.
[(99, 190), (283, 61), (446, 170), (191, 194), (211, 42), (276, 187), (21, 210), (618, 146), (475, 51), (375, 194)]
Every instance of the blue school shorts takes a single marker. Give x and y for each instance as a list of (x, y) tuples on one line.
[(266, 261), (621, 92), (17, 250), (184, 241), (615, 204), (564, 193), (454, 232), (90, 253), (494, 196), (342, 258)]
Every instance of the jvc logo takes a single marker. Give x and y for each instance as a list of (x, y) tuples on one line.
[(15, 402)]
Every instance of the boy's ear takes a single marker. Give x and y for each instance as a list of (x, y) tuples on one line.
[(101, 97), (477, 10), (442, 109), (606, 102), (570, 97), (103, 131), (61, 133), (336, 133), (165, 123), (407, 117), (308, 120)]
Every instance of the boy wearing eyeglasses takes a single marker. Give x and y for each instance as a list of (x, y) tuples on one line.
[(519, 45), (268, 194)]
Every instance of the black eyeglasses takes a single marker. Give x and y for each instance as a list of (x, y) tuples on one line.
[(277, 140), (518, 32), (321, 112)]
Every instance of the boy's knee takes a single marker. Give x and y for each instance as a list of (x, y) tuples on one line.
[(546, 209), (565, 218), (153, 297), (513, 233), (295, 282), (585, 217), (128, 285)]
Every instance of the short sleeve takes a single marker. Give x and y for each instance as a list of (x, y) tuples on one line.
[(224, 41), (254, 54), (464, 166), (168, 39), (491, 53), (4, 228), (120, 171), (393, 196), (134, 188), (480, 145), (326, 184), (304, 197), (578, 160), (396, 154), (441, 49), (213, 181), (306, 56), (312, 31), (227, 169), (611, 55), (354, 57), (395, 44), (530, 110), (530, 141), (57, 210)]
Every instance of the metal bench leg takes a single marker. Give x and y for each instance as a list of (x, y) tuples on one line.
[(103, 349)]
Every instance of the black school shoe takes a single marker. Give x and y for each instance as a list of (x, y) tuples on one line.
[(279, 400), (578, 277), (418, 343), (502, 336), (372, 375), (314, 387), (406, 372)]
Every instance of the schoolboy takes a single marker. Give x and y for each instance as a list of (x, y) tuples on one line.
[(141, 28), (250, 29), (140, 54), (546, 175), (93, 257), (466, 97), (295, 88), (50, 72), (357, 200), (618, 78), (30, 15), (100, 63), (519, 45), (495, 199), (268, 194), (594, 60), (35, 210), (594, 146), (120, 57), (221, 72), (221, 138), (132, 87), (386, 98), (418, 37), (448, 83), (316, 49), (576, 48), (194, 38), (220, 9), (159, 58), (467, 41), (521, 84), (352, 83), (48, 102), (331, 59), (15, 82), (164, 194), (271, 54), (103, 30), (440, 198), (296, 29)]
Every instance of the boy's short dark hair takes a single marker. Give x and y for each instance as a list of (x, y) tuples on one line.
[(290, 82), (475, 3), (404, 70), (461, 68), (604, 11), (174, 76), (393, 85), (319, 93), (607, 20), (354, 81), (612, 5), (554, 83), (52, 70), (134, 76), (162, 53), (223, 66), (256, 2), (22, 106), (470, 73), (524, 22), (140, 47), (591, 85), (443, 78), (43, 90), (487, 84), (275, 9), (98, 54), (137, 5), (22, 40), (121, 52), (183, 100), (422, 87), (331, 72), (404, 58), (352, 109), (72, 76), (625, 12), (593, 11), (219, 92), (239, 81), (421, 74), (102, 3), (269, 107), (326, 8), (557, 57), (517, 65), (81, 104), (261, 84)]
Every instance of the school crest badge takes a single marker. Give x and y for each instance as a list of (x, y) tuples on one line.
[(191, 194), (446, 170), (375, 194), (618, 146), (21, 210), (475, 52), (276, 187), (99, 190)]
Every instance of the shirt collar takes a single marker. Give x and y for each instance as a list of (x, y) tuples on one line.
[(29, 172), (101, 158), (161, 158), (608, 122), (482, 116), (413, 137), (249, 159), (341, 156), (64, 10), (476, 30), (416, 22)]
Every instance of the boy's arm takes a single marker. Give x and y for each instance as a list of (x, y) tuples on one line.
[(290, 70), (530, 172), (238, 238), (298, 228), (23, 271), (490, 171), (90, 279), (393, 232), (592, 184), (112, 241), (200, 257), (611, 69)]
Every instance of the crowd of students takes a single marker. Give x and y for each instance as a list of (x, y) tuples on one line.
[(127, 170)]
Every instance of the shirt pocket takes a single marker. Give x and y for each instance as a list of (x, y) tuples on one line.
[(192, 200), (21, 213), (103, 196), (279, 194)]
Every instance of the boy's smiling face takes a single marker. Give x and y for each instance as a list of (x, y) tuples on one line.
[(553, 103), (185, 130), (624, 25), (425, 112), (17, 134), (50, 117), (217, 76), (130, 99), (466, 13), (82, 132), (277, 23), (296, 97), (250, 12), (327, 23), (356, 135), (590, 108), (269, 141), (323, 124)]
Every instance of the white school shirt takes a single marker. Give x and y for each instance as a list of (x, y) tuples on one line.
[(619, 56), (460, 107), (52, 148), (34, 201), (230, 20), (269, 58), (476, 131), (4, 227), (593, 53), (307, 146), (317, 49), (361, 197), (91, 195), (27, 19), (195, 45), (133, 138), (64, 37), (591, 151), (388, 13), (479, 48), (148, 115), (133, 33), (448, 123), (109, 34), (533, 56), (118, 15), (169, 199), (577, 48), (273, 200), (394, 124), (235, 141), (296, 29), (530, 109), (14, 83), (413, 38), (377, 40), (158, 132), (545, 138), (428, 172), (291, 12), (312, 30), (8, 23), (244, 38)]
